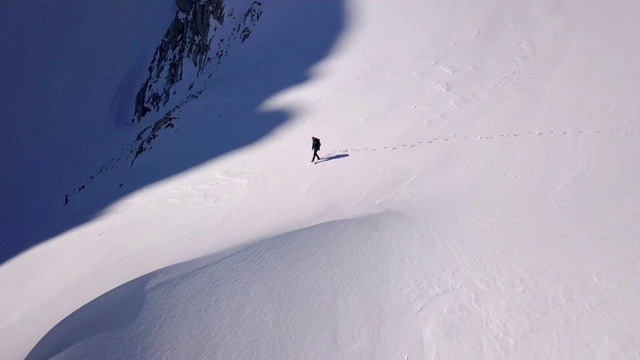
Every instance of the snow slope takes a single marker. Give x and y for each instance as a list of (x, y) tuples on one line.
[(61, 66), (479, 200)]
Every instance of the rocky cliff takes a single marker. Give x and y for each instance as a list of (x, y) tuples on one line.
[(200, 35)]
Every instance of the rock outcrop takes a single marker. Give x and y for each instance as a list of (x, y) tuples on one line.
[(188, 41), (201, 33)]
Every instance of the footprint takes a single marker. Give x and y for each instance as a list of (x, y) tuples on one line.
[(442, 86), (449, 70)]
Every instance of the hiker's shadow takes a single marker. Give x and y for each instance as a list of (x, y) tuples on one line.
[(333, 157)]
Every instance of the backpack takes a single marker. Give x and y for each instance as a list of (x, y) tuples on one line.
[(316, 143)]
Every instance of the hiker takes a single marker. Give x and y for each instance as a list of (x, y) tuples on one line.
[(315, 146)]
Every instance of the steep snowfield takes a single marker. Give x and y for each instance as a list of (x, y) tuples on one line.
[(479, 200)]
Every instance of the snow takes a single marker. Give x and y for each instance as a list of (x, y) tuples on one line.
[(479, 198), (63, 68)]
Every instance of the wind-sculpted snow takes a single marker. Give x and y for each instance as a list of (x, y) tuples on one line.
[(348, 278), (379, 287), (477, 195)]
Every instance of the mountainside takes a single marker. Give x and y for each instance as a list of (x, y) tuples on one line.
[(477, 196), (106, 80), (192, 40)]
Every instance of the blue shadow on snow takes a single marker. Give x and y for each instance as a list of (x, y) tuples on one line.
[(333, 157), (32, 209)]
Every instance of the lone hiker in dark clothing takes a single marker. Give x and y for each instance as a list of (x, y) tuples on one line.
[(315, 146)]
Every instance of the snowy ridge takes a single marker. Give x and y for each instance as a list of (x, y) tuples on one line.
[(478, 198)]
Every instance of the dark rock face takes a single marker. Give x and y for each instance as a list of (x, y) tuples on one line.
[(196, 26), (184, 5), (189, 38)]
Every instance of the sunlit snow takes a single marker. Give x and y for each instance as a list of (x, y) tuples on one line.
[(479, 196)]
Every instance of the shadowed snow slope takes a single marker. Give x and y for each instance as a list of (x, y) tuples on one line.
[(71, 82), (61, 64), (478, 199)]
